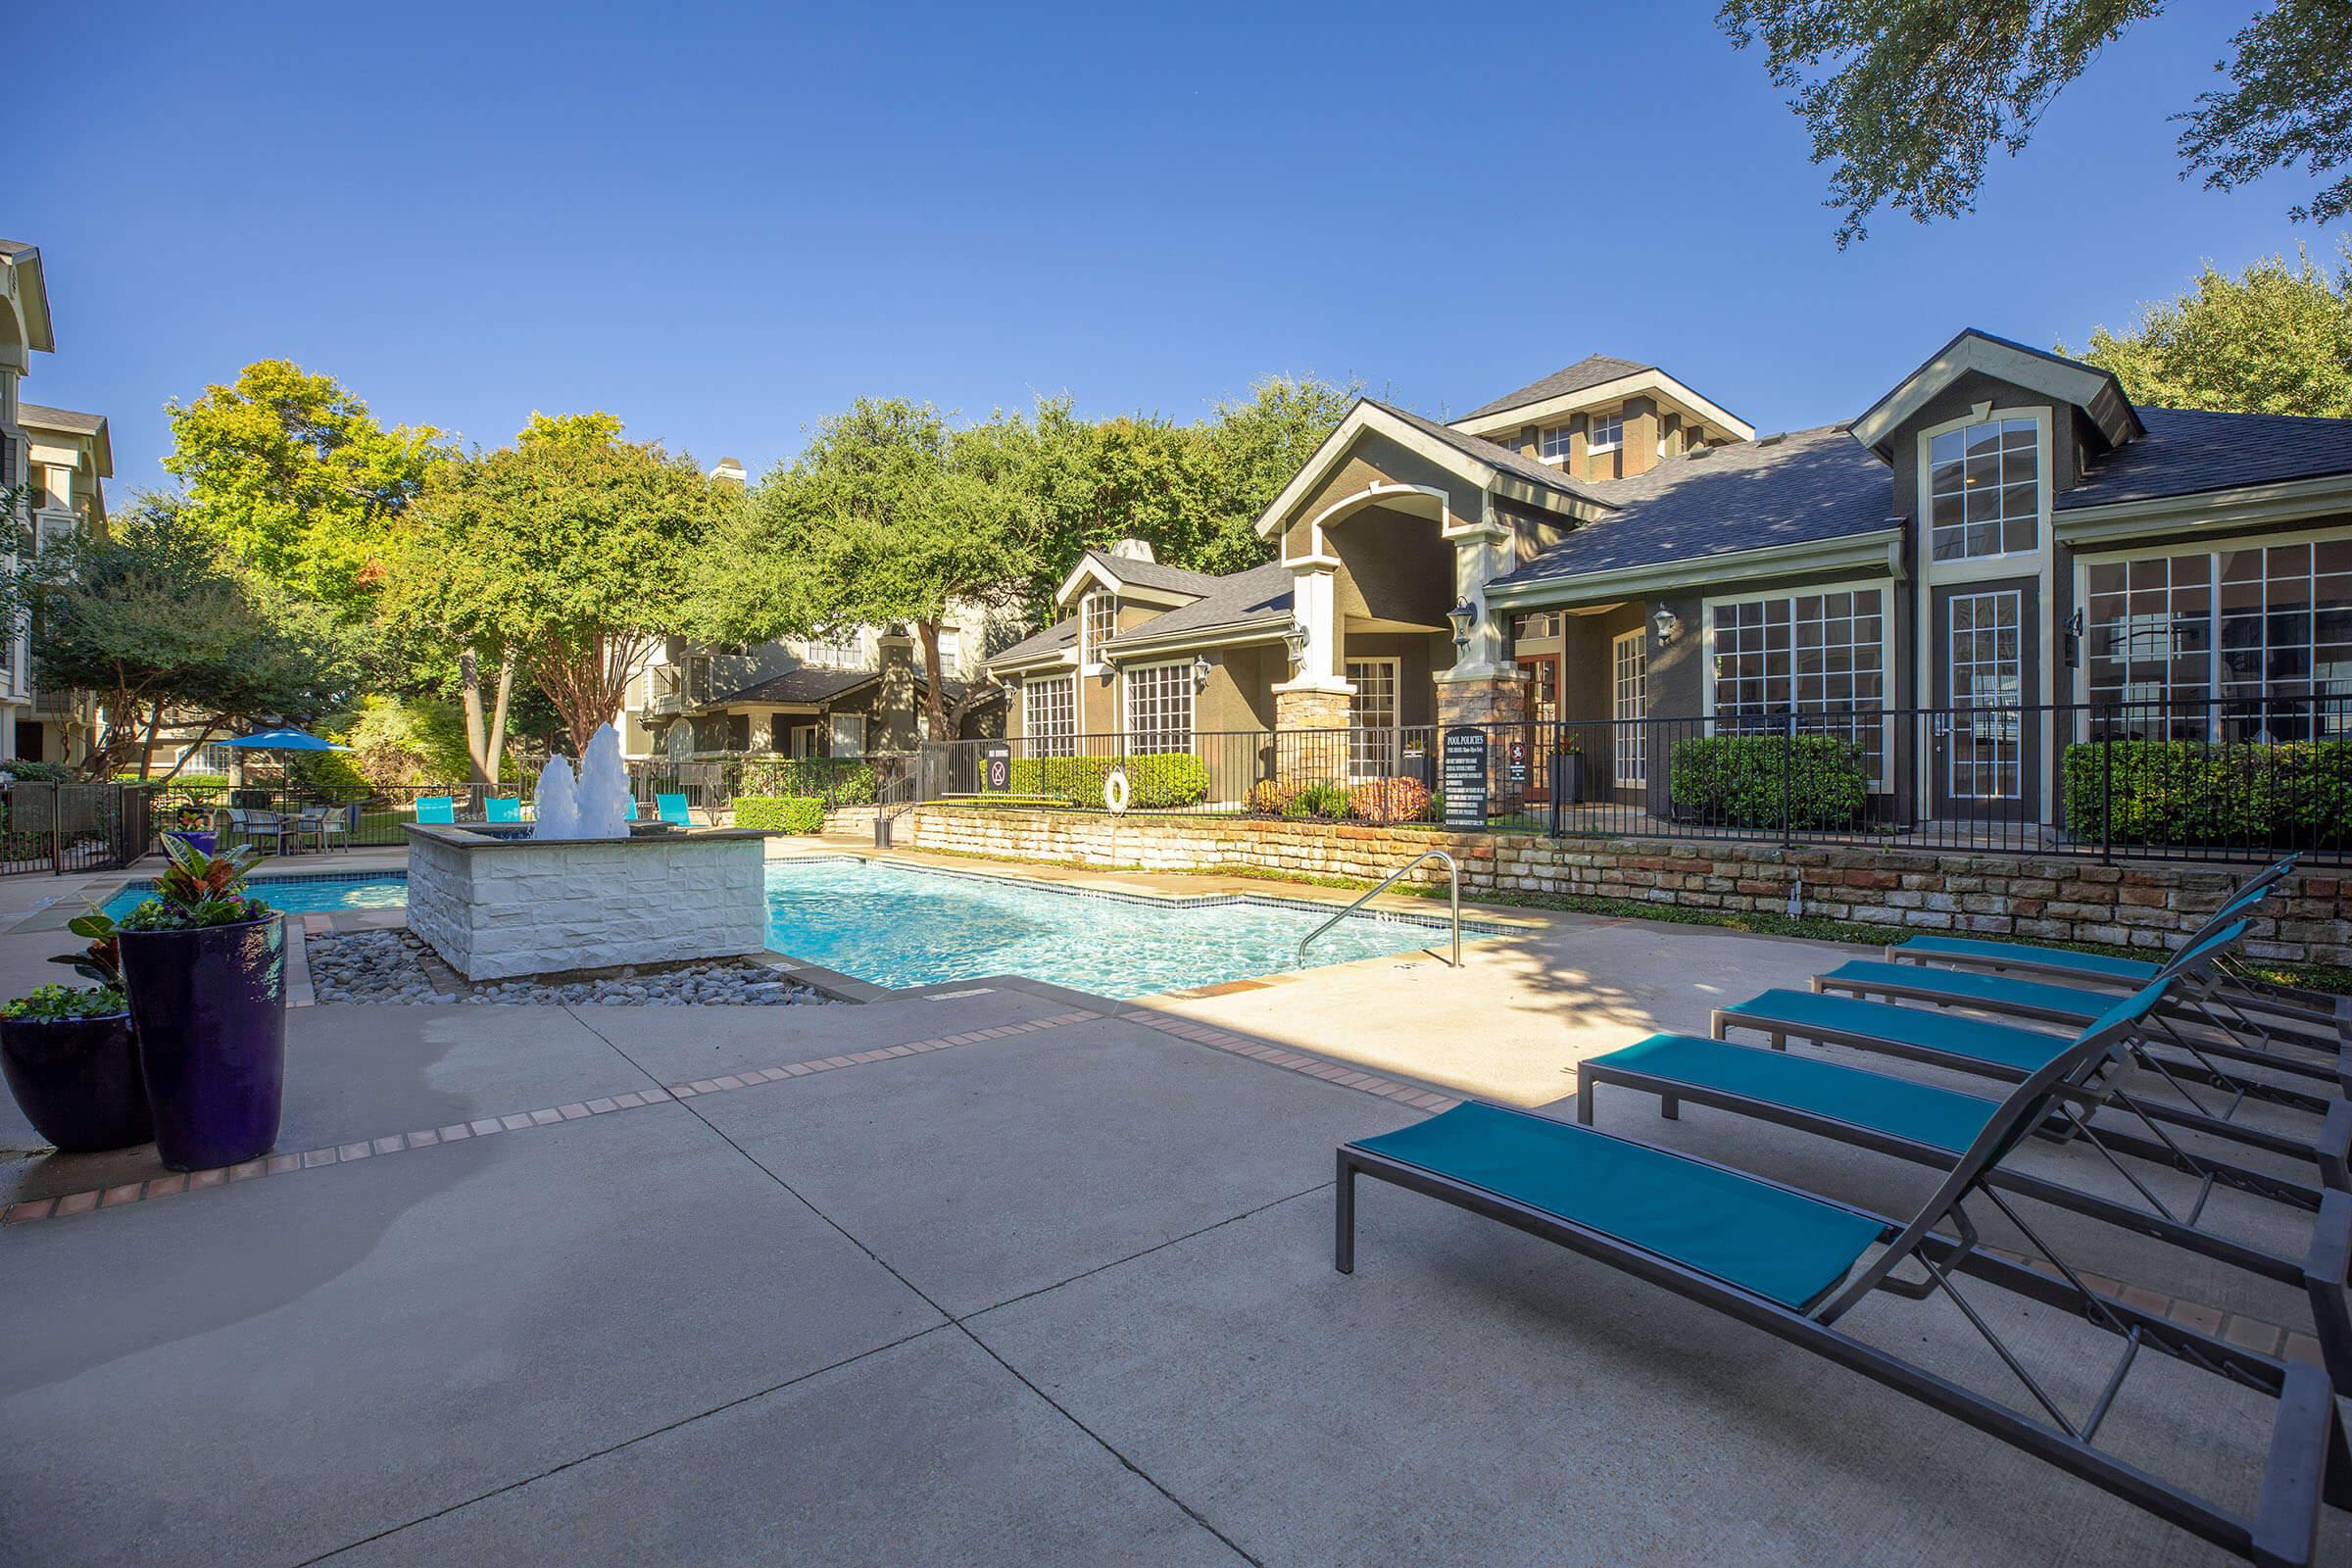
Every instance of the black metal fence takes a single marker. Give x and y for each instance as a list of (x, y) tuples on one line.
[(2172, 779), (60, 828)]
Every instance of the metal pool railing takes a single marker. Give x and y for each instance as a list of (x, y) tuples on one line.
[(1453, 878)]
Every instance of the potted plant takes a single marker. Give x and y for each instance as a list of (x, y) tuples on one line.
[(69, 1057), (1567, 772), (194, 823), (204, 967)]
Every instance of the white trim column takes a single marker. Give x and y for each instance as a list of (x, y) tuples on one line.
[(1314, 604)]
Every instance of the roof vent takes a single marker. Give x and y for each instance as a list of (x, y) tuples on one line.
[(1134, 549), (1697, 453), (1771, 440)]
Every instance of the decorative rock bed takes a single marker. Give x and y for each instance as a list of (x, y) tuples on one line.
[(393, 966)]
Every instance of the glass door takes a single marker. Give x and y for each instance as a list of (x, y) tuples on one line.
[(1372, 717)]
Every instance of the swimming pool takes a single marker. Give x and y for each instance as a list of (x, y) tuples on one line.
[(299, 894), (897, 926)]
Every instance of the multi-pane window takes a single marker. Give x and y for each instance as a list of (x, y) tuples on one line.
[(1987, 674), (1984, 490), (1537, 625), (1607, 433), (1097, 620), (1628, 705), (1159, 709), (1049, 716), (1820, 655), (1372, 717), (841, 651), (2231, 644), (1552, 443)]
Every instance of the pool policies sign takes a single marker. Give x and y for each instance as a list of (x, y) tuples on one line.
[(1463, 775)]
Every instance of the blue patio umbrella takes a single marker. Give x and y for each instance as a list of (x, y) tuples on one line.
[(284, 740)]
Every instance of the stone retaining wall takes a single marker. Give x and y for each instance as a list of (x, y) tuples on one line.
[(2031, 897)]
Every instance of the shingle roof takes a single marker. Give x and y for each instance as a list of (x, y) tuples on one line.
[(1151, 574), (43, 416), (1260, 594), (1793, 489), (15, 247), (2189, 451), (1056, 636), (1591, 371), (807, 684), (1494, 453)]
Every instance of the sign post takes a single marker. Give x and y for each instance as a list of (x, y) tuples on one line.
[(1463, 773)]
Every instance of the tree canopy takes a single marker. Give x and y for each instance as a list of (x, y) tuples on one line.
[(567, 553), (297, 479), (2274, 339), (1906, 99), (149, 618)]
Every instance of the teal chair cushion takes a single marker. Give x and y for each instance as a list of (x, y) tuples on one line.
[(505, 808), (1941, 1118), (673, 809), (2094, 965), (1773, 1242), (2021, 1050), (436, 809)]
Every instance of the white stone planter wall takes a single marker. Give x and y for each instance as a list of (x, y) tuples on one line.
[(498, 909)]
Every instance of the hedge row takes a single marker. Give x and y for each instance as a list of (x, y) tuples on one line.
[(781, 814), (1744, 780), (837, 781), (1157, 783), (2295, 793)]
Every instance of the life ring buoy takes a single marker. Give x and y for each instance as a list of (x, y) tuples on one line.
[(1114, 792)]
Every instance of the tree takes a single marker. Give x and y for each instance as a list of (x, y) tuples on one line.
[(1249, 450), (1905, 99), (887, 516), (297, 479), (149, 619), (564, 556), (2275, 339)]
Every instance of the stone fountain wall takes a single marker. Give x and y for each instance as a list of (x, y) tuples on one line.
[(498, 908)]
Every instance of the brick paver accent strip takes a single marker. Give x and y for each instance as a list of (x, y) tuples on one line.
[(165, 1186)]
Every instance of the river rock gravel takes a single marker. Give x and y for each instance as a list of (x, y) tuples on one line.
[(388, 966)]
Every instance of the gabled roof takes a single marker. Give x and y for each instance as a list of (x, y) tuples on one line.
[(1592, 371), (1799, 488), (15, 247), (1127, 573), (32, 293), (2096, 392), (2191, 451), (813, 685), (1060, 635), (1509, 459), (41, 417), (1261, 594)]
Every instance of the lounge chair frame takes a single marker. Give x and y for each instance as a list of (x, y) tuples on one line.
[(2324, 1273)]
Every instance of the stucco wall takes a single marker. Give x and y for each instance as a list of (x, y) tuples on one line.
[(1996, 896)]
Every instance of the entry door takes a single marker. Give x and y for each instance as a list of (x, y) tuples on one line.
[(1543, 712), (1985, 735), (1372, 717)]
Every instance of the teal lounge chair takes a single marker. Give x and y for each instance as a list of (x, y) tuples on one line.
[(1935, 1126), (1794, 1264), (629, 810), (2008, 1052), (503, 808), (436, 809), (673, 809)]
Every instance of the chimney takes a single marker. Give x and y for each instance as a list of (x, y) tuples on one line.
[(730, 469), (1134, 549)]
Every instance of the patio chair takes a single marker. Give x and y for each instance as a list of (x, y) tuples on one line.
[(503, 808), (629, 812), (673, 809), (436, 808), (309, 823), (340, 824), (1934, 1126), (1794, 1264)]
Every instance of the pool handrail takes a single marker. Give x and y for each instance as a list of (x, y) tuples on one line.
[(1453, 878)]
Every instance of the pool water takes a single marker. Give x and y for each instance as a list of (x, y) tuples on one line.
[(309, 895), (895, 926)]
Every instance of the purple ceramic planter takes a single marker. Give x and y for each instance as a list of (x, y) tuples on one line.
[(77, 1081), (210, 1005)]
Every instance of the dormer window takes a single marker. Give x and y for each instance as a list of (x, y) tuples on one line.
[(1552, 443), (1607, 433), (1097, 620), (1984, 490)]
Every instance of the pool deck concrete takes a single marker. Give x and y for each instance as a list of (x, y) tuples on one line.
[(996, 1274)]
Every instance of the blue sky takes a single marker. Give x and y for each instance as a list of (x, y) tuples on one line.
[(722, 224)]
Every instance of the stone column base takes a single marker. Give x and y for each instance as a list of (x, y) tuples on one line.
[(1312, 707), (1483, 701)]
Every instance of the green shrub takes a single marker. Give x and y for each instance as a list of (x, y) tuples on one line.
[(51, 1002), (190, 781), (37, 772), (1157, 783), (1741, 780), (1271, 796), (835, 780), (781, 814), (2190, 792), (1329, 802)]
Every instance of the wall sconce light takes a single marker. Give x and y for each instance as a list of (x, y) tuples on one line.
[(1665, 623), (1293, 643), (1463, 616), (1200, 670), (2074, 640)]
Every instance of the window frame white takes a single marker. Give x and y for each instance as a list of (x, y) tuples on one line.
[(1051, 741), (1170, 685), (1594, 446), (834, 731), (1556, 442), (1091, 643), (2004, 736), (1373, 749), (2035, 450), (1629, 705), (1883, 587)]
